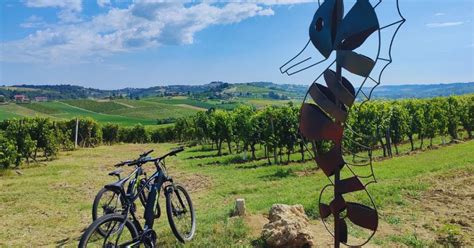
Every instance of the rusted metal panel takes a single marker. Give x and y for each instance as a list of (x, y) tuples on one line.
[(356, 63), (325, 99), (330, 161), (323, 28), (316, 125), (362, 215), (342, 89), (358, 24), (348, 185)]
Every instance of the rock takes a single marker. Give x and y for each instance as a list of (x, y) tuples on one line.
[(288, 227), (239, 209)]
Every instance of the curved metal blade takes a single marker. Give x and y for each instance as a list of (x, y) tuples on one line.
[(362, 216), (358, 24), (316, 125), (326, 100), (324, 210), (355, 63), (342, 90), (342, 231), (331, 160), (323, 28), (337, 205), (348, 185)]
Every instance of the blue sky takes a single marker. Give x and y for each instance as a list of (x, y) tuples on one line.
[(116, 43)]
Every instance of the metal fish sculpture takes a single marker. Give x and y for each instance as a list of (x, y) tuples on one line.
[(324, 114)]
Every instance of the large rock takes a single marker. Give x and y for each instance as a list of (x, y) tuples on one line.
[(288, 227)]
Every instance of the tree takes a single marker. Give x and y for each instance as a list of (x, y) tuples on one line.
[(431, 114), (8, 151), (415, 119), (466, 114), (222, 129), (19, 132), (43, 132), (110, 133), (440, 118), (453, 112), (398, 124), (241, 125), (89, 132)]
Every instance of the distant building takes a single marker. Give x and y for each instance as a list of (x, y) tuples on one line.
[(20, 98), (2, 98), (41, 98)]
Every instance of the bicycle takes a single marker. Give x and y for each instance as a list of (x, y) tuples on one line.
[(124, 230), (109, 201)]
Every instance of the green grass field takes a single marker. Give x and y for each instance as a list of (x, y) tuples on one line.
[(123, 112), (96, 106), (50, 204)]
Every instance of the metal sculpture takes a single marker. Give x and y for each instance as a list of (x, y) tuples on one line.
[(323, 116)]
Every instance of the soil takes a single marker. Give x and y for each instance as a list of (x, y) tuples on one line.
[(192, 182), (441, 216), (447, 209)]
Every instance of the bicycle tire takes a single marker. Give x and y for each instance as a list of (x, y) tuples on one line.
[(170, 212), (95, 226)]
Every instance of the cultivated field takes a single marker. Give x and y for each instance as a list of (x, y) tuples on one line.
[(124, 112), (424, 198)]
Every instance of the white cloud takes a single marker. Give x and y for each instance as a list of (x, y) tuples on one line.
[(443, 24), (139, 26), (33, 22), (70, 9), (285, 2), (75, 5), (103, 3), (440, 14)]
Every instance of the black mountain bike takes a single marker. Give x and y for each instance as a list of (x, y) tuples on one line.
[(124, 230), (107, 201)]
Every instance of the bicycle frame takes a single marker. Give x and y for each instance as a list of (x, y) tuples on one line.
[(157, 180)]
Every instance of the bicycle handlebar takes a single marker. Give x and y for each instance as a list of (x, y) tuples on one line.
[(146, 153), (143, 159), (173, 152)]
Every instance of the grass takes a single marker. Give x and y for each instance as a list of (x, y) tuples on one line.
[(64, 111), (154, 110), (176, 101), (50, 204), (13, 110), (123, 112), (96, 106)]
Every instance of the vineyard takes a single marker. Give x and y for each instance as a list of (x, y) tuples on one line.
[(51, 203), (383, 125)]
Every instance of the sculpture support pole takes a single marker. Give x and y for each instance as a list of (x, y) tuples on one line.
[(337, 178), (337, 233)]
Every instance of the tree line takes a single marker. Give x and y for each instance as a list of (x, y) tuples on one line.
[(379, 124), (274, 130)]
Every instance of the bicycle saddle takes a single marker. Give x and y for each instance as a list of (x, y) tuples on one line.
[(117, 186), (116, 172)]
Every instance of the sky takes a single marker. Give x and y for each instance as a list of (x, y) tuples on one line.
[(112, 44)]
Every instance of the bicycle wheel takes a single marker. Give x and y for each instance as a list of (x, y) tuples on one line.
[(106, 202), (180, 211), (114, 236)]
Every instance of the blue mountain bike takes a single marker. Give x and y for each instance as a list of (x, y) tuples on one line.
[(124, 230)]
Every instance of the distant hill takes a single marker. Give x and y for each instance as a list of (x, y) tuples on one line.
[(225, 91), (422, 91)]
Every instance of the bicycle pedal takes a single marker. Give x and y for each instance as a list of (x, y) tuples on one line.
[(149, 238)]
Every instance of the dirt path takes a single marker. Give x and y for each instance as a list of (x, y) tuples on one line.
[(191, 107)]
